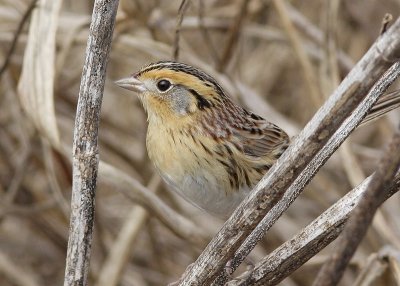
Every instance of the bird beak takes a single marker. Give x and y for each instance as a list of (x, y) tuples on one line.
[(131, 83)]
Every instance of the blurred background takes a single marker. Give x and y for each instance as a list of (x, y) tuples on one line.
[(280, 61)]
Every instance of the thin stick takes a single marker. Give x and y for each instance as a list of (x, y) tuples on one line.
[(181, 13), (206, 35), (233, 36), (85, 148), (304, 61), (14, 42)]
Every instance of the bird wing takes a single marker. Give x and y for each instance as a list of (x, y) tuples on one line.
[(260, 138)]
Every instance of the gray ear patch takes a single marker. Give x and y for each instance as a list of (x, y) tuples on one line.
[(180, 100)]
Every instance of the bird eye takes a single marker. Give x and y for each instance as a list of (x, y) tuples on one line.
[(163, 85)]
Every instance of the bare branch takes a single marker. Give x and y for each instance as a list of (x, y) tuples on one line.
[(85, 150), (181, 13), (294, 190), (332, 271), (302, 23), (297, 157), (233, 36), (14, 42), (323, 230), (206, 36), (302, 57)]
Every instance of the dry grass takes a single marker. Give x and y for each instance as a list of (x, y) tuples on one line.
[(259, 68)]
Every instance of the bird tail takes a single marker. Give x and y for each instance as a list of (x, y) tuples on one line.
[(385, 103)]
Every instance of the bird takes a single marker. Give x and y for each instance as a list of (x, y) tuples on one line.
[(206, 147)]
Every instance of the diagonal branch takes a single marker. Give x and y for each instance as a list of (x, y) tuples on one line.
[(352, 90), (323, 230), (294, 190)]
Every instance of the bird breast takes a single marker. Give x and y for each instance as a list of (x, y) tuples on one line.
[(185, 161)]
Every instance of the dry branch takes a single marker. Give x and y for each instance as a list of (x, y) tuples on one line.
[(233, 36), (181, 13), (309, 241), (85, 148), (294, 190), (377, 190), (304, 61), (297, 157), (21, 24)]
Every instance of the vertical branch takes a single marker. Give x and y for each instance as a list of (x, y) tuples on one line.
[(206, 36), (14, 42), (85, 149), (233, 36), (181, 13), (304, 61), (330, 79)]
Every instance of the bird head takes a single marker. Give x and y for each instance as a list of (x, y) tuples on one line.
[(175, 91)]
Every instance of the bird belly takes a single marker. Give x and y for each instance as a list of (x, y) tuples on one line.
[(203, 191)]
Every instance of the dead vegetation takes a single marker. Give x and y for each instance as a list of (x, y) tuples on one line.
[(275, 60)]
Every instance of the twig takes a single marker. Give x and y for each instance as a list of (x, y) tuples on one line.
[(233, 36), (181, 13), (85, 149), (297, 157), (332, 271), (206, 35), (303, 24), (304, 61), (330, 79), (19, 173), (295, 252), (294, 190), (14, 42), (385, 22)]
